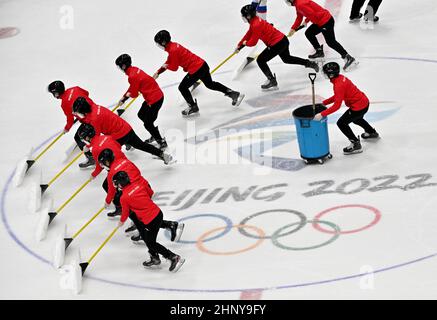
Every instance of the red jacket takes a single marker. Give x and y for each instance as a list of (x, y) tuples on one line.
[(261, 30), (98, 144), (122, 164), (345, 90), (137, 198), (315, 13), (67, 99), (106, 122), (141, 82), (178, 56)]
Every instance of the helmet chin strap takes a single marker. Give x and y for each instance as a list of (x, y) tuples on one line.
[(244, 19)]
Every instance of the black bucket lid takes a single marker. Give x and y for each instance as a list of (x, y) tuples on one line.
[(307, 112)]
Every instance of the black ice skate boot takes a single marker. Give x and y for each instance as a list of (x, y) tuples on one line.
[(162, 144), (373, 135), (128, 147), (150, 140), (236, 97), (89, 162), (349, 62), (353, 19), (176, 263), (153, 262), (368, 17), (354, 147), (318, 54), (270, 84), (167, 158), (136, 239), (313, 65), (114, 214), (176, 230), (192, 110), (131, 230)]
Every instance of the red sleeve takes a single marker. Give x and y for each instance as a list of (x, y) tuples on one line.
[(98, 168), (172, 61), (246, 37), (254, 36), (338, 100), (297, 22), (125, 209), (133, 88), (329, 101), (111, 189), (70, 118)]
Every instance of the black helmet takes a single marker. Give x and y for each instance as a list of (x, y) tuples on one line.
[(81, 106), (86, 132), (162, 38), (248, 12), (56, 87), (331, 70), (124, 61), (121, 179), (106, 157)]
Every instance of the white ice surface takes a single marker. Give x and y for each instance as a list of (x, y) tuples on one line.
[(398, 64)]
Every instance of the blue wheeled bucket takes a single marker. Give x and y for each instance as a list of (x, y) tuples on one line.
[(312, 136)]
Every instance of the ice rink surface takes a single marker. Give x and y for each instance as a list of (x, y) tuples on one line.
[(376, 236)]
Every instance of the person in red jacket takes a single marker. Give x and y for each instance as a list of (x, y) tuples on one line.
[(136, 203), (67, 97), (323, 22), (108, 159), (357, 102), (106, 122), (276, 42), (97, 143), (196, 68), (141, 82)]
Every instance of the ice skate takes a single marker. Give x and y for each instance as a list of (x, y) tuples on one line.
[(162, 144), (354, 147), (153, 262), (167, 158), (176, 263), (270, 84), (319, 54), (356, 18), (88, 163), (136, 239), (114, 214), (371, 136), (176, 230), (191, 111), (131, 230), (350, 62), (312, 64), (236, 97), (129, 147), (150, 140)]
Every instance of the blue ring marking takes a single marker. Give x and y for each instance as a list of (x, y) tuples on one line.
[(287, 286), (221, 234)]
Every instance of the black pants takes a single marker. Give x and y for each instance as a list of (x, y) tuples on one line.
[(149, 232), (116, 200), (281, 49), (328, 33), (358, 4), (204, 75), (133, 140), (148, 114), (79, 142), (356, 117)]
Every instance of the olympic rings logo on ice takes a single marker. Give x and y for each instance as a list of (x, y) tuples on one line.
[(259, 235)]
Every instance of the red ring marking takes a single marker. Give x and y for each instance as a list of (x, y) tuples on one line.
[(372, 209)]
